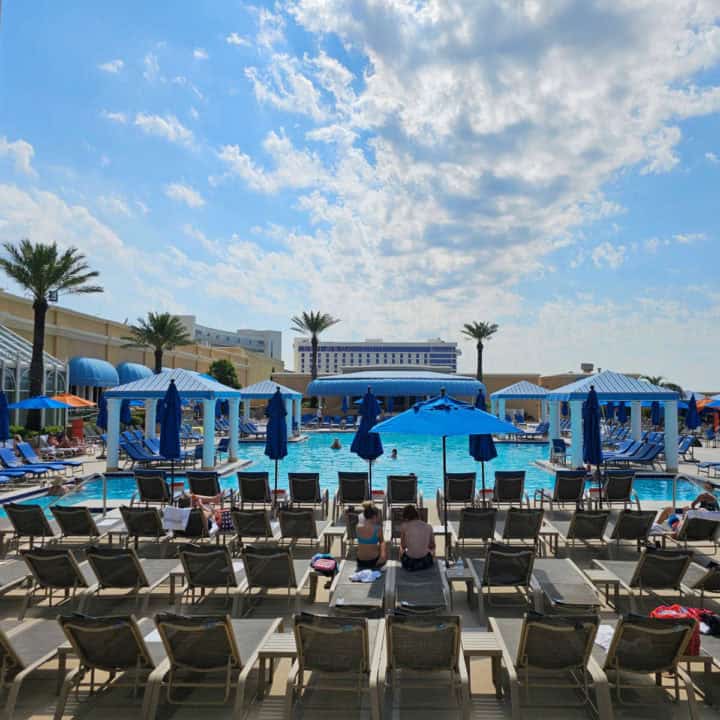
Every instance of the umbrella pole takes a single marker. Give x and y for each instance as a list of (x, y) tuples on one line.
[(482, 470), (274, 502), (445, 511), (370, 479)]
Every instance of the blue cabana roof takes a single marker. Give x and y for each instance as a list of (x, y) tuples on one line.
[(129, 372), (522, 390), (266, 389), (612, 386), (92, 372), (395, 383), (189, 384)]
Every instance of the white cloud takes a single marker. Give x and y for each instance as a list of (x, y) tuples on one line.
[(194, 114), (235, 39), (712, 157), (116, 117), (167, 126), (144, 209), (200, 54), (688, 238), (20, 152), (286, 87), (114, 204), (184, 194), (605, 254), (271, 28), (112, 66), (151, 66)]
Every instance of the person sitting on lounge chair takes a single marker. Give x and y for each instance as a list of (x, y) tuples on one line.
[(706, 500), (371, 546), (417, 542)]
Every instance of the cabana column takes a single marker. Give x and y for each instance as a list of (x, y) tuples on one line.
[(576, 449), (554, 429), (233, 420), (501, 408), (298, 409), (671, 435), (636, 419), (208, 459), (113, 433), (150, 416), (289, 416)]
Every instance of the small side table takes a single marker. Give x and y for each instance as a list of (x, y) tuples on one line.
[(483, 644), (277, 646), (459, 572), (606, 580)]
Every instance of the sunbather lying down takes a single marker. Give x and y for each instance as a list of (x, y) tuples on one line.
[(706, 500)]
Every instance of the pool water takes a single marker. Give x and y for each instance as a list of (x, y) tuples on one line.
[(420, 455)]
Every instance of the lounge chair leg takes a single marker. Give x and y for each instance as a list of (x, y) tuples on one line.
[(66, 689)]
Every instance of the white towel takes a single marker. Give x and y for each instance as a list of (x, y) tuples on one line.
[(604, 636), (175, 518), (365, 576)]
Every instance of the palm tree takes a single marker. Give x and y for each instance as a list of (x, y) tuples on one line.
[(161, 332), (660, 381), (479, 331), (41, 270), (313, 323)]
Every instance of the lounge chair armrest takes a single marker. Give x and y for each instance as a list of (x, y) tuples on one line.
[(335, 580), (602, 690), (290, 689)]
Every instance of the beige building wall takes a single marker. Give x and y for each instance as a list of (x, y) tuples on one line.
[(69, 333)]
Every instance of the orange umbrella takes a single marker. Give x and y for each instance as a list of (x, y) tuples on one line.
[(74, 400), (702, 403)]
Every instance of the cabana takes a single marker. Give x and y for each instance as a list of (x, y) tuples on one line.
[(395, 383), (264, 390), (522, 390), (191, 386), (615, 387)]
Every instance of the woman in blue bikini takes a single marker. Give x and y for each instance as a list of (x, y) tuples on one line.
[(371, 547)]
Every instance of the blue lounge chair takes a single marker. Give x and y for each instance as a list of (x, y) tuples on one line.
[(30, 457), (686, 446), (559, 451), (138, 455), (632, 449), (9, 461), (249, 428)]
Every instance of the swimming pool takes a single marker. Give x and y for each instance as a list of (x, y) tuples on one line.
[(417, 454)]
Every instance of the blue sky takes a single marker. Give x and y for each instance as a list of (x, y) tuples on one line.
[(407, 166)]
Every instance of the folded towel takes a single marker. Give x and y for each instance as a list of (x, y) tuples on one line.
[(365, 576), (175, 518), (604, 635)]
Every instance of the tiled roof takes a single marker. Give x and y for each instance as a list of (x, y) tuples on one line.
[(612, 386), (189, 384), (522, 389), (266, 389)]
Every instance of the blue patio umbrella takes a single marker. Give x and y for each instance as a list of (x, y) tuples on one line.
[(4, 418), (692, 419), (366, 444), (480, 403), (655, 413), (344, 406), (444, 416), (170, 427), (102, 420), (482, 449), (622, 413), (389, 403), (564, 409), (125, 414), (276, 433), (40, 402), (592, 443)]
